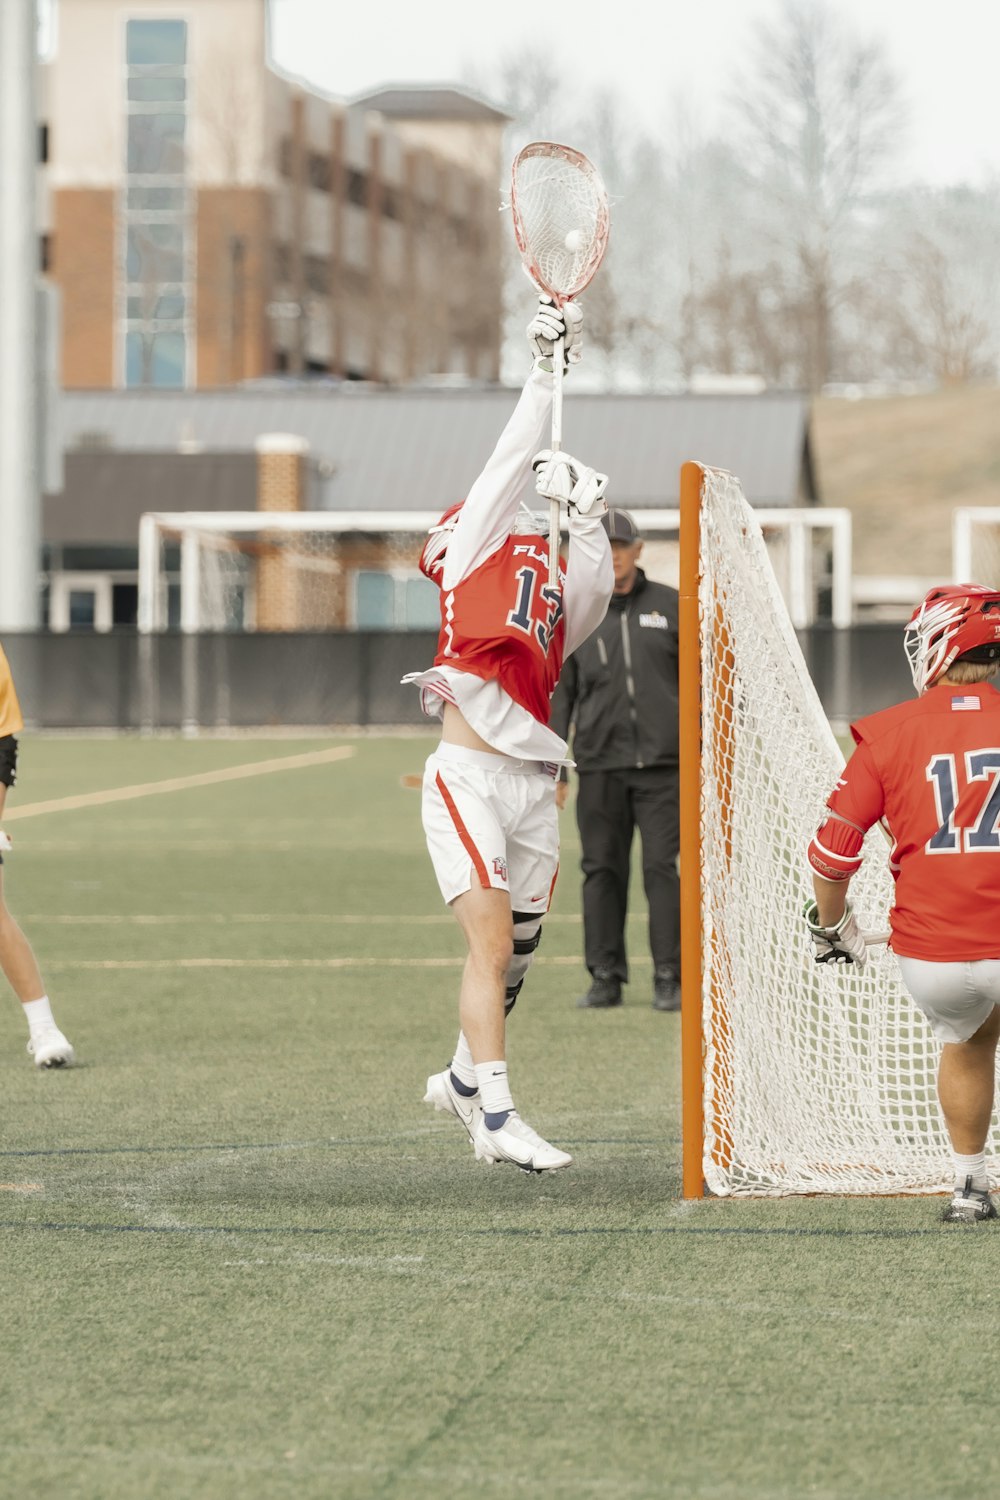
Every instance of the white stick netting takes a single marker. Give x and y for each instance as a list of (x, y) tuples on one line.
[(561, 221), (817, 1079)]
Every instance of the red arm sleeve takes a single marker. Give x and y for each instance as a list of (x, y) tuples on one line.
[(855, 804)]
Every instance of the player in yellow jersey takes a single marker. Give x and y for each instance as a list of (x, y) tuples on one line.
[(46, 1044)]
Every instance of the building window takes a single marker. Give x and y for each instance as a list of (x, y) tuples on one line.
[(397, 600), (357, 187), (156, 145), (150, 43), (282, 262), (156, 292), (317, 273)]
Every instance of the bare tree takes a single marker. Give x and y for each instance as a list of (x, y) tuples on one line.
[(820, 118)]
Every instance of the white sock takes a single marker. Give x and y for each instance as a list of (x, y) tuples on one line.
[(39, 1015), (494, 1089), (970, 1166), (462, 1065)]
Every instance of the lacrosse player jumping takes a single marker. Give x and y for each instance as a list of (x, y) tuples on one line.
[(489, 807)]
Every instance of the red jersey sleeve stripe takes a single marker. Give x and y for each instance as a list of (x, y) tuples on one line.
[(850, 860), (463, 833)]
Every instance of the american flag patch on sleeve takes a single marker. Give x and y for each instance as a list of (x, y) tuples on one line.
[(964, 703)]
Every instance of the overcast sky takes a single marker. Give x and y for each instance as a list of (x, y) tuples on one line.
[(945, 54)]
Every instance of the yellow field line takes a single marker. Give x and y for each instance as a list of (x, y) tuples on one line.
[(20, 1187), (180, 783)]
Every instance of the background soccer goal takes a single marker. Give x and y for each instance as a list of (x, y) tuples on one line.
[(213, 576), (798, 1077), (975, 543)]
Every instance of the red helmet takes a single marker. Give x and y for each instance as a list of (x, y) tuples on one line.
[(436, 545), (956, 621)]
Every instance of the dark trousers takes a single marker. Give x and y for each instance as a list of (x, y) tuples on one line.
[(610, 806)]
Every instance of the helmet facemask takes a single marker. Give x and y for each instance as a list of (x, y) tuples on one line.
[(957, 623), (530, 522)]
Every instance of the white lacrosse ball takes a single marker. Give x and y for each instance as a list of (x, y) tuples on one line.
[(574, 240)]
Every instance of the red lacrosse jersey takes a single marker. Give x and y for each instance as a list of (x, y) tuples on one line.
[(931, 769), (503, 622)]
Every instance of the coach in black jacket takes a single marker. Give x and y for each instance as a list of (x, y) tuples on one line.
[(619, 690)]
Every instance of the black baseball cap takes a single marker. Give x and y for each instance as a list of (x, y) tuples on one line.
[(620, 526)]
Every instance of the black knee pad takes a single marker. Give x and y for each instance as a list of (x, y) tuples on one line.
[(8, 760), (524, 945), (511, 998)]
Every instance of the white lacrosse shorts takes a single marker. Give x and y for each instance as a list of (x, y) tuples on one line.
[(956, 998), (491, 821)]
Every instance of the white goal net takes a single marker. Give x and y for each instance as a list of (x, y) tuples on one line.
[(815, 1078)]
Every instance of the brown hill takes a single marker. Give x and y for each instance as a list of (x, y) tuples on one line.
[(901, 464)]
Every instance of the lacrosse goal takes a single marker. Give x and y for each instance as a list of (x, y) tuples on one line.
[(798, 1077)]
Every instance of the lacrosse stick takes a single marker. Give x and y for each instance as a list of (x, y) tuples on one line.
[(561, 223)]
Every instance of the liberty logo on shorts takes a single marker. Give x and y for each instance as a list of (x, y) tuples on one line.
[(500, 868)]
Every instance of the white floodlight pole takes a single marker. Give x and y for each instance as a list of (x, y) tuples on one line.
[(20, 529), (842, 602)]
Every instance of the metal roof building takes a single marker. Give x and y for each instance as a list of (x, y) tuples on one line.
[(414, 449)]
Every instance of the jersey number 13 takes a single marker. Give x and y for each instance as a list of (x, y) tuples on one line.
[(538, 609)]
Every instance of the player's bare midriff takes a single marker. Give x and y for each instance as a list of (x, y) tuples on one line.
[(458, 731)]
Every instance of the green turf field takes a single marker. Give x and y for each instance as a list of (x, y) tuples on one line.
[(242, 1259)]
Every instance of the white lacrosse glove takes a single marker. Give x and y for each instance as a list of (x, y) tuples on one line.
[(560, 476), (842, 943), (551, 323), (5, 844)]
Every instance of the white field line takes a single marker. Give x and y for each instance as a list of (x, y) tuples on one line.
[(256, 919), (20, 1187), (73, 965), (180, 783)]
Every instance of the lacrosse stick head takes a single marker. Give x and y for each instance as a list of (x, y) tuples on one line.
[(561, 218)]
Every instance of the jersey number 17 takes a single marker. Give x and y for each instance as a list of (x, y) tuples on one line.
[(983, 836)]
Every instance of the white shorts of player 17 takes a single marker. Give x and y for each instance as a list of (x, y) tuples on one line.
[(956, 998), (491, 821)]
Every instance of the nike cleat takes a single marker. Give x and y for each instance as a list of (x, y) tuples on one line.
[(442, 1093), (50, 1049), (516, 1142)]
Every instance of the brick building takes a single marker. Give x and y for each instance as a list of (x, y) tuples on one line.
[(211, 220)]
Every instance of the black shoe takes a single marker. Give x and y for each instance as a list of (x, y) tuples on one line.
[(969, 1206), (666, 991), (604, 992)]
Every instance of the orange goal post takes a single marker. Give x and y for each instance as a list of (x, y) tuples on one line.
[(797, 1077)]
